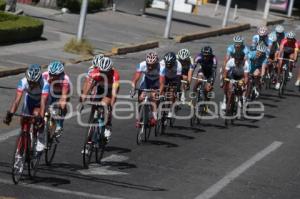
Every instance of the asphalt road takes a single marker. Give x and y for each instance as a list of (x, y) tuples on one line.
[(252, 159)]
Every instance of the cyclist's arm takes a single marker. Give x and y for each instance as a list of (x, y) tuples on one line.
[(115, 87), (296, 51), (161, 84), (65, 92), (136, 78), (44, 99), (16, 102), (87, 86)]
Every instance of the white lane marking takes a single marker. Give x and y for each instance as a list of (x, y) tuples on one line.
[(58, 190), (216, 188), (16, 132), (95, 169)]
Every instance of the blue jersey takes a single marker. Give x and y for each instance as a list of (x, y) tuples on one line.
[(256, 39), (36, 93), (231, 50), (256, 63)]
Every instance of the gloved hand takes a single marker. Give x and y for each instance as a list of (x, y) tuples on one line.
[(132, 92), (8, 118), (161, 98), (39, 120), (80, 107), (188, 86)]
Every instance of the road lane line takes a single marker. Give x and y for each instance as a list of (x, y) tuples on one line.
[(221, 184), (16, 132), (58, 190)]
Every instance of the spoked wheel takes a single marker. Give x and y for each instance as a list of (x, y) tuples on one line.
[(51, 146), (193, 120), (99, 151), (88, 148), (33, 157), (140, 133), (171, 122), (19, 159), (157, 129)]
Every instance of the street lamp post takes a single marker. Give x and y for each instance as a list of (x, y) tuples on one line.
[(225, 20), (81, 25), (267, 9), (291, 5), (169, 19)]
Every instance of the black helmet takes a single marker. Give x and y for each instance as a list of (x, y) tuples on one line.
[(207, 50), (170, 59)]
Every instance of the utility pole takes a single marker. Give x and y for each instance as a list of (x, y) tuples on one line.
[(267, 9), (81, 25), (291, 5), (225, 20), (169, 19)]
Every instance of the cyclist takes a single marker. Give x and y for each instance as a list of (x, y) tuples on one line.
[(257, 64), (105, 78), (237, 46), (152, 78), (95, 61), (237, 68), (273, 55), (288, 50), (260, 38), (59, 83), (36, 90), (173, 72), (279, 32), (208, 68), (187, 62)]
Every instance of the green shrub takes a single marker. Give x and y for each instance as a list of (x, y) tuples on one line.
[(2, 4), (75, 5), (19, 28), (148, 3), (84, 47)]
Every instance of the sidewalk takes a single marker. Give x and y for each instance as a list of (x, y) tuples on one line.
[(105, 30)]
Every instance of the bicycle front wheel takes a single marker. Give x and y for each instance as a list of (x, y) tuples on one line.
[(88, 148), (99, 150), (34, 157), (51, 144), (19, 159)]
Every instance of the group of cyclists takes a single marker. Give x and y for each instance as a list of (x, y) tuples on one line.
[(240, 63)]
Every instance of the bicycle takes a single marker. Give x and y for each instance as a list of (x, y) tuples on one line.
[(25, 151), (145, 112), (95, 140), (284, 76), (270, 77), (235, 102), (253, 87), (199, 98), (50, 137)]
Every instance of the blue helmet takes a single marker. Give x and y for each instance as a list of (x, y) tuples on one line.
[(56, 68), (33, 73)]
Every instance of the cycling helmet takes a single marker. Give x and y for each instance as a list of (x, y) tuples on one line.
[(261, 48), (96, 59), (33, 73), (151, 58), (170, 59), (273, 37), (56, 68), (279, 29), (105, 64), (262, 31), (238, 39), (291, 35), (207, 50), (183, 54)]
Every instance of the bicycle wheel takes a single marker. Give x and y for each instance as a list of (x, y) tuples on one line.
[(19, 159), (88, 147), (139, 136), (157, 128), (51, 144), (35, 157), (99, 150)]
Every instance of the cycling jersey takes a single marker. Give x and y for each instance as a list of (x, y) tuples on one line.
[(110, 79), (254, 62), (150, 78), (186, 67), (273, 49), (236, 73), (175, 71), (289, 47), (63, 83), (231, 50), (32, 95), (280, 36), (207, 67), (258, 40)]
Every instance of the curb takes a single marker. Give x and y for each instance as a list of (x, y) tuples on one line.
[(16, 71), (278, 21), (135, 48), (212, 33)]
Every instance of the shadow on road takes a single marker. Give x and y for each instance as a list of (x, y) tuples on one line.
[(162, 143)]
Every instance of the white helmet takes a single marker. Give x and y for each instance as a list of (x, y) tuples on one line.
[(183, 54), (279, 28), (291, 35), (151, 58), (96, 59), (262, 31), (105, 64)]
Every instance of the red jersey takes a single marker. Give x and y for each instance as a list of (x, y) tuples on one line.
[(110, 79), (293, 45)]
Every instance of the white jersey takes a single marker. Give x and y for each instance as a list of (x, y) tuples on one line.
[(36, 92), (153, 74), (173, 72)]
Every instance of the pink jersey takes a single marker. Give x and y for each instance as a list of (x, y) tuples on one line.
[(59, 85)]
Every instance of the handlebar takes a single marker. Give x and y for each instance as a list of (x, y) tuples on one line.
[(199, 79), (285, 59), (25, 115)]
